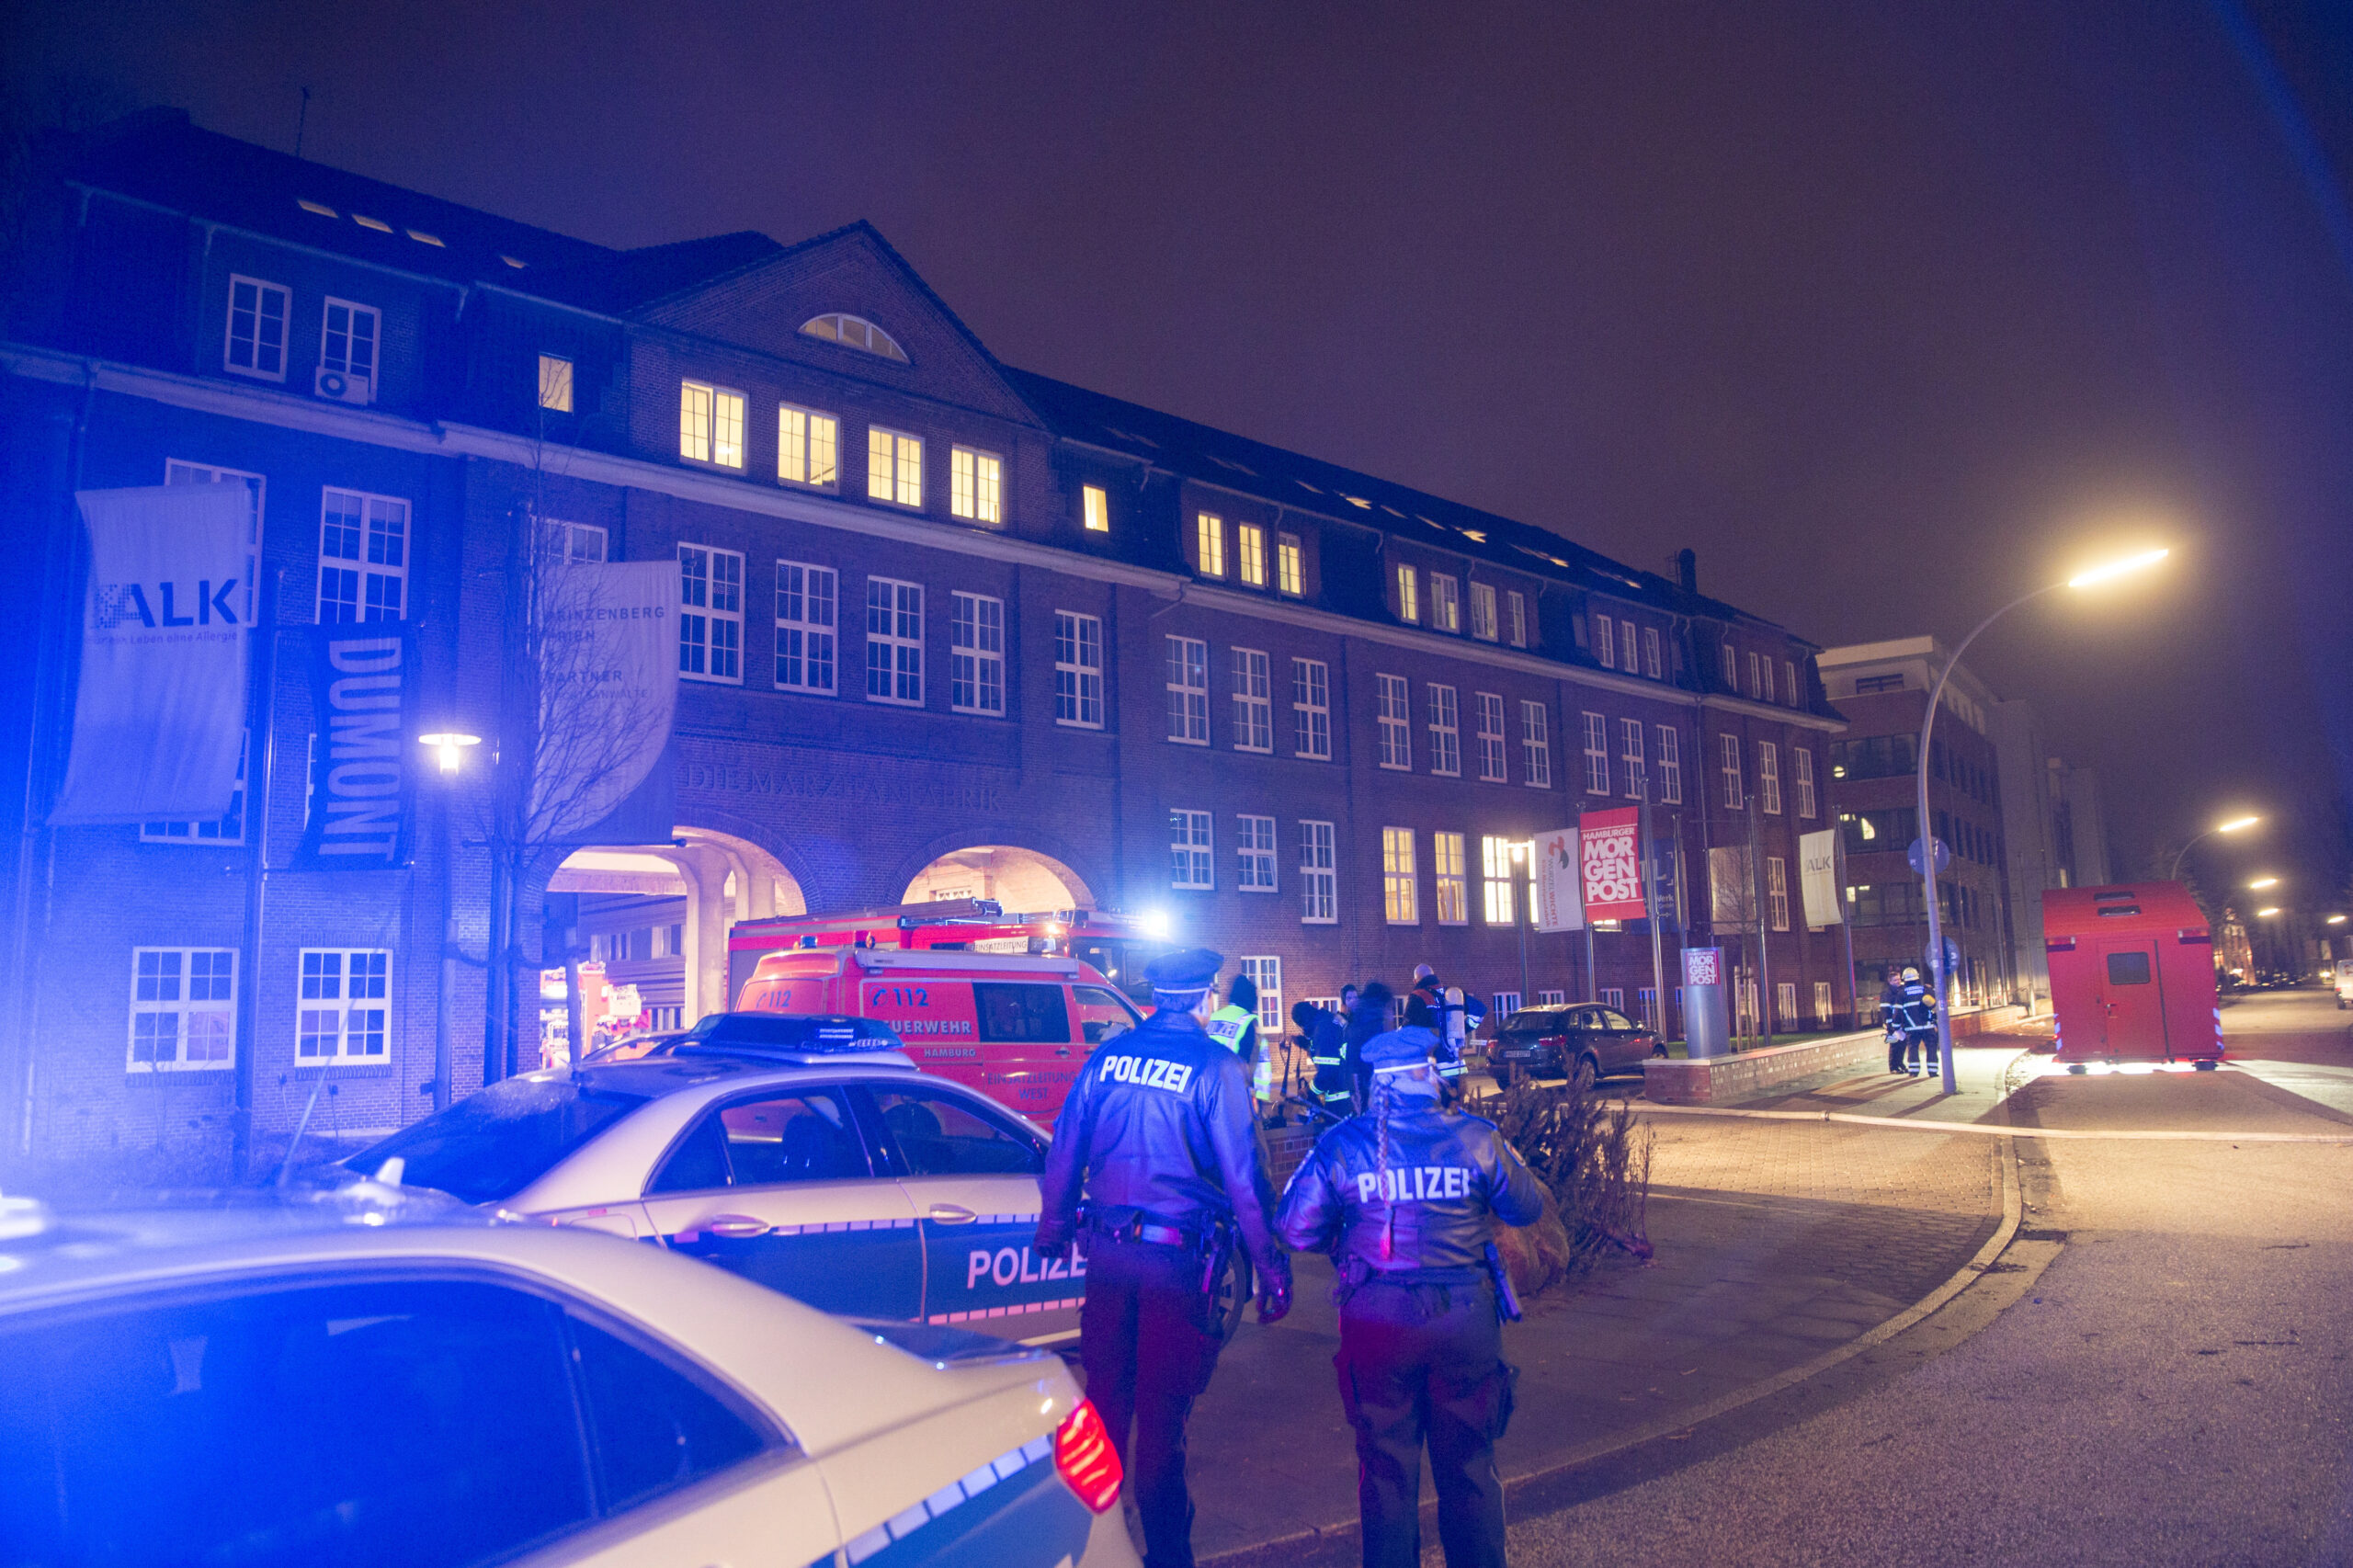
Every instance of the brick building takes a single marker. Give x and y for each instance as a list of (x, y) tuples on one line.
[(945, 627)]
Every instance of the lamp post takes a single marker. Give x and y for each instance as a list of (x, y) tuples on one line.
[(2233, 825), (450, 748), (1936, 955)]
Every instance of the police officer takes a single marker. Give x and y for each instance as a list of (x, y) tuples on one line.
[(1401, 1198), (1915, 1009), (1327, 1050), (1158, 1127)]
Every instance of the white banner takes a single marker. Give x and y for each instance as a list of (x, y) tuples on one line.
[(159, 712), (1560, 888), (608, 687), (1818, 870)]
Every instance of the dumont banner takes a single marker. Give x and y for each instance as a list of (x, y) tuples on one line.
[(1560, 896), (1818, 873), (364, 757), (608, 688), (1611, 857), (159, 711)]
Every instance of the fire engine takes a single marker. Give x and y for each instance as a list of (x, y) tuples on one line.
[(1118, 946)]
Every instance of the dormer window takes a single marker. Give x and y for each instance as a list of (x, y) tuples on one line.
[(855, 332)]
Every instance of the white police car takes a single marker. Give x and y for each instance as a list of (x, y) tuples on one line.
[(806, 1153), (375, 1377)]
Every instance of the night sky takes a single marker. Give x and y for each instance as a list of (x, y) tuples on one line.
[(1890, 316)]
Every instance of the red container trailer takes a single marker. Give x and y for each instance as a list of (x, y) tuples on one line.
[(2132, 974)]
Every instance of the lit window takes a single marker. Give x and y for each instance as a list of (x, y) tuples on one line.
[(1650, 666), (1630, 754), (1398, 901), (1310, 706), (256, 329), (1078, 670), (555, 384), (1535, 745), (1189, 691), (1735, 794), (347, 336), (1097, 505), (1768, 776), (1597, 754), (1253, 709), (1604, 643), (1776, 895), (183, 1009), (893, 467), (853, 332), (1446, 603), (1450, 878), (345, 1011), (894, 642), (1445, 733), (1290, 576), (1319, 895), (1801, 761), (805, 609), (711, 424), (1495, 882), (1250, 554), (1491, 737), (711, 614), (1254, 845), (976, 654), (1266, 974), (1397, 722), (1409, 602), (1208, 539), (376, 224), (1190, 863), (975, 485), (1515, 617), (1483, 611), (1670, 766), (808, 447), (363, 557)]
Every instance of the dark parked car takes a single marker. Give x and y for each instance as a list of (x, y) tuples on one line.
[(1577, 1039)]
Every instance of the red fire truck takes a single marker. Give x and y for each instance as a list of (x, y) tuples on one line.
[(1117, 946), (2131, 975)]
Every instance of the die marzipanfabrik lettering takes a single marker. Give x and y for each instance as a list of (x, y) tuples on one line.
[(363, 678)]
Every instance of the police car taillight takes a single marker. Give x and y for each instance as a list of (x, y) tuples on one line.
[(1083, 1455)]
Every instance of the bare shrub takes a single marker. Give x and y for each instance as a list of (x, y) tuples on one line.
[(1595, 1160)]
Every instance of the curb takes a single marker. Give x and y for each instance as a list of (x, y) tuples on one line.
[(1983, 1129)]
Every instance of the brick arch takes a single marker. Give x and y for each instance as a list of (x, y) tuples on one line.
[(1033, 853)]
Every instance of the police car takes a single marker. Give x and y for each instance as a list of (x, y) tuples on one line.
[(372, 1376), (806, 1153)]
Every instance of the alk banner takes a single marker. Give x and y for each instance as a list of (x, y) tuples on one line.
[(1610, 855), (1559, 891), (609, 690), (1818, 874), (365, 761), (159, 711)]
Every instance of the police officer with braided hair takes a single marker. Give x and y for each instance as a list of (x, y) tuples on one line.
[(1403, 1197), (1159, 1130)]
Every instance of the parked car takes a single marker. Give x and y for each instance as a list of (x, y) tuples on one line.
[(1574, 1039), (371, 1376)]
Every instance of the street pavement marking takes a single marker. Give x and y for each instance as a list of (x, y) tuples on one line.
[(1982, 1129)]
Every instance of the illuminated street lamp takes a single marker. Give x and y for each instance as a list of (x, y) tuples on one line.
[(449, 746), (2261, 882), (2233, 825), (1938, 970), (2337, 920), (2266, 914)]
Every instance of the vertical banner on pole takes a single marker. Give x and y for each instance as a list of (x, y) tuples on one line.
[(1818, 860), (364, 694), (1560, 894), (1611, 858)]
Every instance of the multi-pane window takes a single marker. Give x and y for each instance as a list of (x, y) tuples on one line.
[(1446, 603), (1732, 670), (216, 831), (808, 447), (1552, 998), (1208, 543), (1777, 896), (1785, 993), (1095, 508), (1250, 554), (1507, 1003), (1630, 754), (1801, 761), (711, 424), (975, 485), (1253, 706), (178, 472), (1535, 745), (976, 654), (346, 1010), (805, 609), (1735, 794), (1597, 754), (1755, 680), (1311, 708), (1266, 974), (1626, 648), (1790, 680), (1483, 611), (555, 384), (1446, 731), (1319, 883), (1189, 691), (1409, 598), (256, 329), (710, 613), (1396, 719), (574, 544), (1398, 901), (893, 467), (1078, 669), (1768, 692), (1670, 766), (1496, 870), (363, 557), (1189, 864), (1491, 736), (1650, 665), (1605, 647), (894, 642), (183, 1008), (347, 338), (1450, 877), (1769, 777), (1290, 570), (1822, 1003), (1253, 847), (1515, 617)]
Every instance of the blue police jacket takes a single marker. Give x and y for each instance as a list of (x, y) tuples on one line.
[(1913, 1009), (1160, 1124), (1426, 1207)]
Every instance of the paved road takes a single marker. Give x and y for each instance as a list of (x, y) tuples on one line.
[(2172, 1386)]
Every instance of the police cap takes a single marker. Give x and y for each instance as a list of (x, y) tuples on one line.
[(1192, 969), (1398, 1048)]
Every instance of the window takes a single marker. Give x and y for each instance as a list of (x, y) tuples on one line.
[(1650, 665), (1450, 878), (1732, 670), (1310, 707), (1409, 603), (1768, 692), (1822, 1003), (1670, 766), (555, 384), (1552, 998), (1319, 892), (1250, 554), (1266, 974), (1646, 1000), (710, 613), (1515, 617), (1785, 998), (805, 606), (1507, 1004), (1291, 575), (711, 424), (183, 1008), (1597, 754), (572, 543), (343, 1010), (1255, 844), (2127, 967), (1626, 648), (1789, 681), (1875, 756), (1078, 670), (1446, 603), (1189, 847), (1614, 998), (1496, 881), (1208, 543), (1776, 895), (1769, 777), (1095, 508), (855, 332), (363, 557), (1396, 722), (256, 329), (1189, 691), (975, 485), (893, 467), (1605, 647), (808, 447), (178, 472), (1629, 752), (1736, 795), (1870, 685), (1886, 903), (226, 829), (1803, 761), (1483, 611), (1445, 733), (769, 1139), (1491, 737), (1535, 745), (1254, 708), (1397, 897), (347, 338), (976, 654), (893, 642)]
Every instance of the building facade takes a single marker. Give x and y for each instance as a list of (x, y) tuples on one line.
[(945, 627)]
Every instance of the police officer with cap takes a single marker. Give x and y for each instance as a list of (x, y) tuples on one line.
[(1159, 1130), (1401, 1198)]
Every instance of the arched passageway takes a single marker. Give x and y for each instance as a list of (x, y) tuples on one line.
[(1018, 880)]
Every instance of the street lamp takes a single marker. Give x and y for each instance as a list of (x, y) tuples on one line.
[(1937, 966), (2337, 920), (2266, 914), (2261, 882), (2233, 825), (449, 746)]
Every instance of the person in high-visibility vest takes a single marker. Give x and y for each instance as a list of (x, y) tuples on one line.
[(1235, 1025)]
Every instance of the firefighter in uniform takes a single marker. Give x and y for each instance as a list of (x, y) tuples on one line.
[(1403, 1197), (1374, 1012), (1915, 1009), (1327, 1053), (1890, 999), (1158, 1129)]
